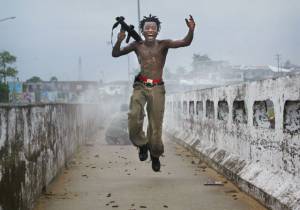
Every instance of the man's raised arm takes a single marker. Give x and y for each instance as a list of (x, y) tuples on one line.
[(117, 51), (187, 40)]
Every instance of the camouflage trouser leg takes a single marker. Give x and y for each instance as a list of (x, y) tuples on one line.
[(155, 99), (136, 117)]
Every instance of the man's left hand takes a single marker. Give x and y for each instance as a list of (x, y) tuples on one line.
[(190, 23)]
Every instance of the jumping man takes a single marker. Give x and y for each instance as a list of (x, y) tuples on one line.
[(148, 87)]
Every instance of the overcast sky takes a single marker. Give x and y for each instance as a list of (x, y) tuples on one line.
[(49, 36)]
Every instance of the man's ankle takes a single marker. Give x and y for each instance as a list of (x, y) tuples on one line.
[(155, 163), (143, 152)]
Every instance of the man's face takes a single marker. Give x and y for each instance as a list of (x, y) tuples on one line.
[(150, 31)]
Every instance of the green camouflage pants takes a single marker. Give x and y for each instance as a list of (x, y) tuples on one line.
[(154, 99)]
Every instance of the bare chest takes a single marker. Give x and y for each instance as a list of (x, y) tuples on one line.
[(146, 52)]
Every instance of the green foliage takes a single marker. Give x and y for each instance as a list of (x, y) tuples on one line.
[(6, 70), (3, 93), (7, 58), (34, 79), (53, 79), (11, 72)]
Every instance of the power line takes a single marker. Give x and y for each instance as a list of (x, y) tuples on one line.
[(8, 18)]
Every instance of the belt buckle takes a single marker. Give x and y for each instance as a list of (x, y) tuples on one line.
[(149, 83)]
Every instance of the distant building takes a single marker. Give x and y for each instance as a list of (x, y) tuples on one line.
[(207, 73), (62, 91), (115, 88), (251, 73)]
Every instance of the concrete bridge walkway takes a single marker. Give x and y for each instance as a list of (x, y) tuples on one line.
[(102, 176)]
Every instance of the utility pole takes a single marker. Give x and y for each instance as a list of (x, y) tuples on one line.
[(139, 31), (139, 16), (278, 62), (79, 69)]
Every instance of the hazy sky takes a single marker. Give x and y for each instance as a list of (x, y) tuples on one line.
[(48, 36)]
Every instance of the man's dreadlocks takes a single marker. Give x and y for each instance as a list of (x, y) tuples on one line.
[(150, 19)]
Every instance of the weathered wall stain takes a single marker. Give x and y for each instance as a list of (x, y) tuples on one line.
[(210, 111), (239, 112), (263, 114), (199, 109), (258, 147), (292, 117), (35, 143), (223, 110)]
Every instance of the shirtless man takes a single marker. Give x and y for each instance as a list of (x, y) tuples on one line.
[(148, 87)]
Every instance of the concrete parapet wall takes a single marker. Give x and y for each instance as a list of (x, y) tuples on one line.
[(36, 141), (250, 132)]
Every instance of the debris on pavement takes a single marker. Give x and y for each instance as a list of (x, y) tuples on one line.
[(212, 182)]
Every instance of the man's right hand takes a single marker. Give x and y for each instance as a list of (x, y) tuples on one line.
[(121, 36)]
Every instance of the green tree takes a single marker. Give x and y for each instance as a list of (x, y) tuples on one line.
[(6, 70), (3, 93), (53, 79), (34, 79)]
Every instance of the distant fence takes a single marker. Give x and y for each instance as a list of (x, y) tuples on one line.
[(36, 141), (250, 132)]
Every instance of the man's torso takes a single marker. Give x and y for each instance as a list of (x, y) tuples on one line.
[(152, 58)]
